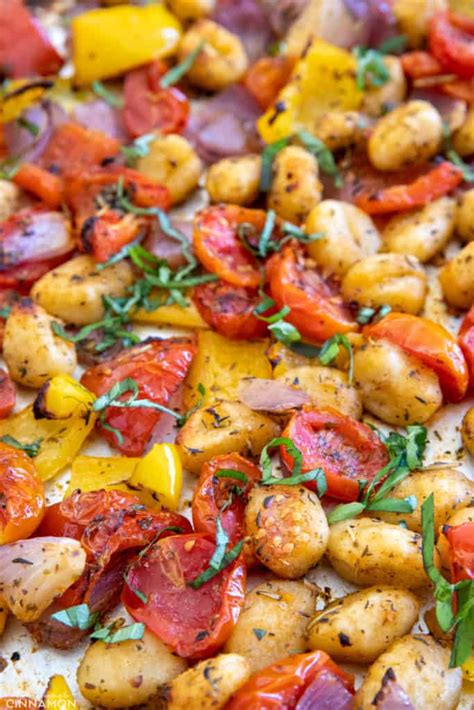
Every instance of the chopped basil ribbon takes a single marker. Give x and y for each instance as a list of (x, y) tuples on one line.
[(221, 558), (30, 126), (266, 245), (80, 617), (32, 449), (297, 477), (330, 350), (139, 148), (467, 170), (177, 72), (366, 315), (108, 634), (406, 453), (231, 473), (268, 155), (108, 96), (447, 596), (284, 332), (371, 69)]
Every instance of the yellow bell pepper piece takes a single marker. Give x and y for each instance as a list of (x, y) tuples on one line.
[(63, 397), (92, 473), (284, 359), (58, 695), (220, 365), (20, 95), (112, 40), (174, 314), (161, 474), (323, 80), (468, 669)]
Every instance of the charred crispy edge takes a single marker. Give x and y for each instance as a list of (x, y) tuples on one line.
[(39, 405), (39, 84)]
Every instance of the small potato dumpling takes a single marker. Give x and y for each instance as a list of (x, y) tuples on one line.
[(272, 624), (420, 665), (186, 10), (463, 139), (362, 625), (413, 17), (451, 488), (465, 216), (221, 429), (377, 99), (457, 278), (349, 235), (395, 386), (460, 517), (339, 129), (32, 351), (173, 162), (235, 180), (467, 431), (121, 675), (207, 686), (296, 188), (326, 386), (408, 135), (222, 59), (393, 280), (9, 199), (73, 291), (422, 232), (288, 529), (366, 551)]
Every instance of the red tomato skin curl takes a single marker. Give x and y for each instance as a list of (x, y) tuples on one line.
[(430, 343), (21, 493), (41, 183), (229, 310), (451, 41)]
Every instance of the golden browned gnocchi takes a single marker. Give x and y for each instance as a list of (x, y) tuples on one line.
[(287, 527), (32, 351), (467, 431), (339, 129), (207, 686), (172, 161), (465, 216), (295, 188), (457, 278), (460, 517), (393, 280), (451, 489), (390, 383), (463, 139), (272, 624), (408, 135), (420, 666), (379, 99), (235, 180), (187, 10), (367, 551), (221, 429), (73, 291), (359, 627), (326, 386), (222, 59), (349, 235), (422, 233), (127, 673)]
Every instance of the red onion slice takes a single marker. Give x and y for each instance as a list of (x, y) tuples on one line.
[(270, 395), (391, 696), (326, 692)]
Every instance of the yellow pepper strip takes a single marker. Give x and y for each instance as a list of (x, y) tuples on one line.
[(323, 80), (174, 314), (161, 474), (20, 95), (112, 40), (284, 359), (58, 695), (92, 473), (220, 365), (468, 669), (63, 397)]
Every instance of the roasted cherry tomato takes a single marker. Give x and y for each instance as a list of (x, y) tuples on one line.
[(107, 233), (41, 183), (451, 41), (316, 309), (158, 368), (73, 149), (25, 49), (266, 77), (21, 495), (225, 496), (148, 107), (430, 343), (229, 310), (218, 247), (461, 550), (7, 394), (193, 622), (348, 451), (280, 685), (466, 342), (418, 64)]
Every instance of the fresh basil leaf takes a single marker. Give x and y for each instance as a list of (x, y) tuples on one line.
[(231, 473), (330, 350), (133, 632), (32, 449), (393, 45), (211, 572), (108, 96), (265, 244), (291, 449), (322, 153), (78, 617), (177, 72), (139, 148), (394, 505), (260, 633), (371, 69), (467, 170), (268, 155), (365, 315), (344, 512), (222, 540), (29, 126)]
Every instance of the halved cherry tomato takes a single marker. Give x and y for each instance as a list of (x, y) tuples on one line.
[(229, 310), (148, 107), (348, 451), (461, 550), (41, 183), (225, 496), (158, 368), (430, 343), (267, 76), (217, 245), (105, 234), (451, 41), (316, 309), (280, 685), (21, 495), (25, 49), (466, 342), (7, 394), (73, 149), (193, 622), (418, 64), (398, 198)]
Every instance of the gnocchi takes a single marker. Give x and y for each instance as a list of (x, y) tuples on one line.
[(295, 188), (235, 180), (326, 386), (173, 162), (457, 278)]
